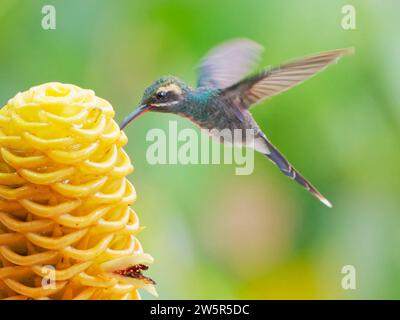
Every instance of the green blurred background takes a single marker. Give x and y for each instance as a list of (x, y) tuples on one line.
[(214, 234)]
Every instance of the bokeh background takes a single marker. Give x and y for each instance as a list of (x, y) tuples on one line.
[(214, 234)]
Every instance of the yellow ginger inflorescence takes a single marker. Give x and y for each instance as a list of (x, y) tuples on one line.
[(66, 228)]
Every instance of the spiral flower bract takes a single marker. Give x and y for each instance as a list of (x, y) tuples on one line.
[(67, 230)]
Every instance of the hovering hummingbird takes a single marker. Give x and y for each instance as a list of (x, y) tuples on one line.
[(224, 95)]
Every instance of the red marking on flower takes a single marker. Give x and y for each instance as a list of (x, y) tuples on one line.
[(135, 272)]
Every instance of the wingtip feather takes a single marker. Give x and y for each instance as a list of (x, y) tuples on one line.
[(350, 50), (342, 52)]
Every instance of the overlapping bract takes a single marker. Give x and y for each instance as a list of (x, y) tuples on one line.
[(64, 198)]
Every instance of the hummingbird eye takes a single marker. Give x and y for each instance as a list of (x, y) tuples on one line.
[(161, 95)]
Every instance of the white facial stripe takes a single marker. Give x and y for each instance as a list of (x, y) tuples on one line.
[(164, 104), (171, 87)]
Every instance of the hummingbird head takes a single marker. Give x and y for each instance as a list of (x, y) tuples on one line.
[(164, 95)]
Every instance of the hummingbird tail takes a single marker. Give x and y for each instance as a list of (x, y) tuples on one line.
[(287, 169)]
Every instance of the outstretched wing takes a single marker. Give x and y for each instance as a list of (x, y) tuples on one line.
[(228, 63), (276, 80)]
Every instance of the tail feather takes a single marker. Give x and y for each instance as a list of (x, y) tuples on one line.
[(287, 169)]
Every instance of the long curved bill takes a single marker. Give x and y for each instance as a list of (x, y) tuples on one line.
[(133, 115)]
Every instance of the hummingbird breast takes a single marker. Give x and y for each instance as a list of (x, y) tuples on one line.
[(222, 123)]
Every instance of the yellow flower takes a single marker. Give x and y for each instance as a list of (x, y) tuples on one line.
[(66, 228)]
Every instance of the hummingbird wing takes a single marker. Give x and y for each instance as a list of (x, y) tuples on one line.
[(273, 154), (228, 63), (276, 80)]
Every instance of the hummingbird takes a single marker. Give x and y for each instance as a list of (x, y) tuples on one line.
[(225, 92)]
